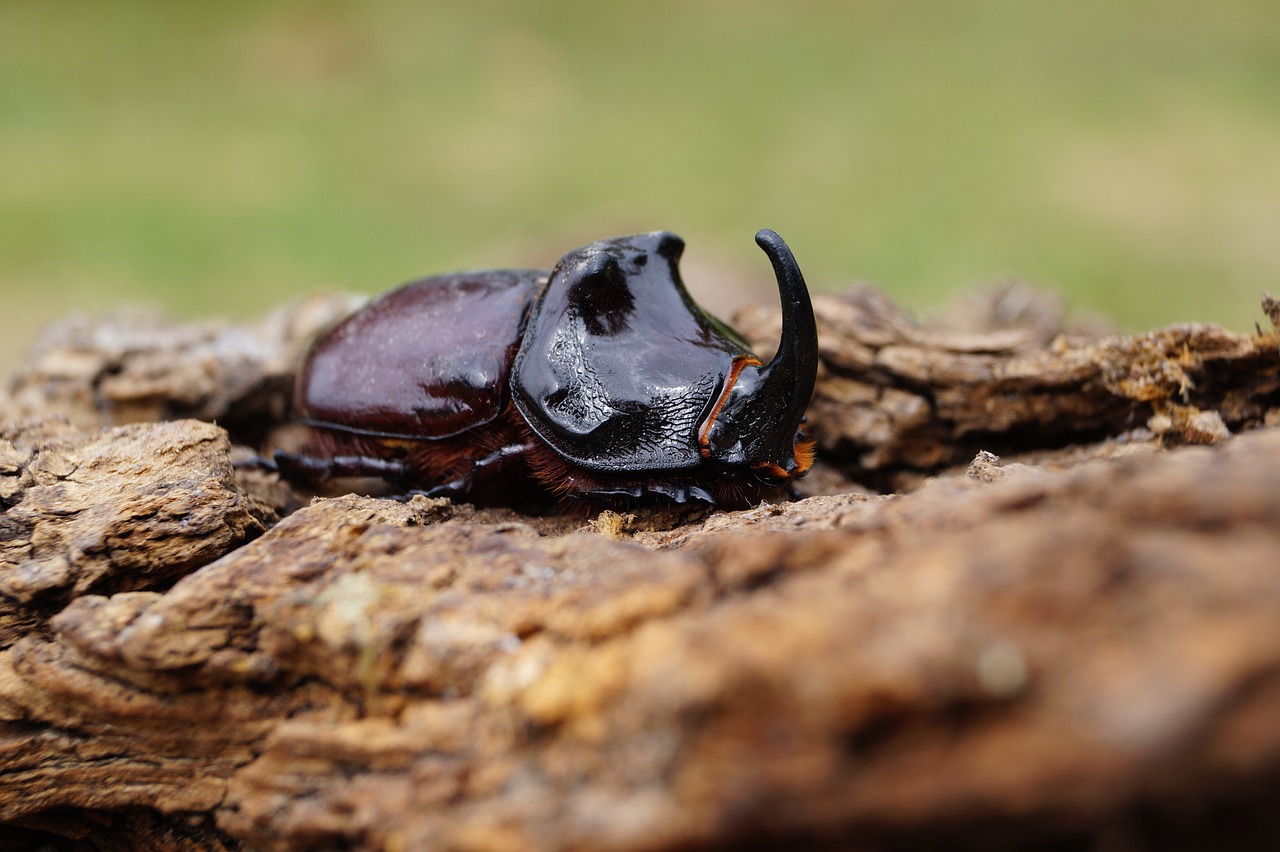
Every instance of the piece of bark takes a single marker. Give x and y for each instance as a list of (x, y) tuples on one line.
[(134, 507), (1077, 645), (894, 394), (138, 367), (1039, 658)]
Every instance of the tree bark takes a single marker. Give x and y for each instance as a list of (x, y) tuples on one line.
[(1061, 626)]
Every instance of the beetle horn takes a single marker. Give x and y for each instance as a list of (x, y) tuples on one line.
[(766, 406), (788, 380)]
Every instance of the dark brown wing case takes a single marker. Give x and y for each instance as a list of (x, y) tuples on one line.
[(429, 360)]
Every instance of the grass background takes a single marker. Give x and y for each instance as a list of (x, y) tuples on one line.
[(219, 159)]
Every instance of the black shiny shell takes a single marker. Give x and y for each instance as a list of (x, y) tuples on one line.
[(429, 360), (619, 366)]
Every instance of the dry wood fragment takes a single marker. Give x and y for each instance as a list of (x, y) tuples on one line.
[(1079, 647), (134, 507), (898, 395), (135, 367)]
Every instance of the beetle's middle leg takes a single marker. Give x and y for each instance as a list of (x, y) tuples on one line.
[(480, 472)]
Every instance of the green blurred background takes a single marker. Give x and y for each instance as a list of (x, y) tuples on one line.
[(221, 158)]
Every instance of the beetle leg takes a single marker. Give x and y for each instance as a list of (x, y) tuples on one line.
[(321, 469), (702, 494), (256, 462), (481, 471), (676, 492)]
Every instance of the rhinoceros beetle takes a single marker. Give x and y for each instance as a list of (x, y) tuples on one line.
[(602, 379)]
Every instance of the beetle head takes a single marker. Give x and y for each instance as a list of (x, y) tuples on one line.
[(637, 388), (756, 421)]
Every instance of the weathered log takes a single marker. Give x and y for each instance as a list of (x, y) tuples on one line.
[(1078, 648), (897, 395)]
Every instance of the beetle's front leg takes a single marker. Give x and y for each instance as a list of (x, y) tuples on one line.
[(482, 470)]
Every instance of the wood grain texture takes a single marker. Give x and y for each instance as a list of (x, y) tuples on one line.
[(1075, 645)]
